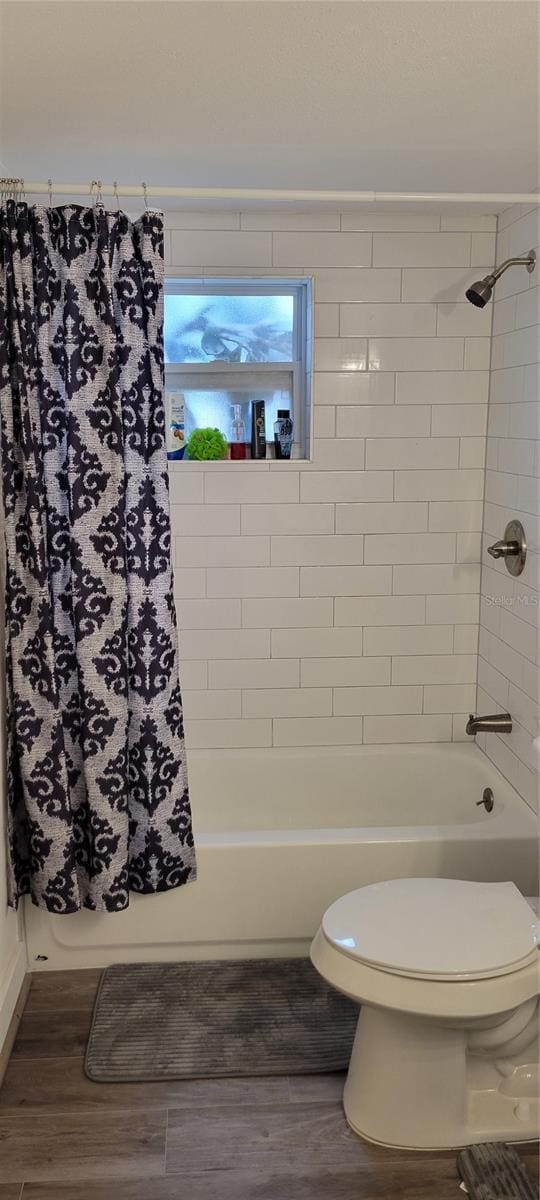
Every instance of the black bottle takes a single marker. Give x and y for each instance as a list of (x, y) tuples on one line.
[(283, 434)]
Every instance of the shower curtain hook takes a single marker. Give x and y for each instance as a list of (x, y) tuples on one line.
[(49, 181), (145, 193), (115, 191)]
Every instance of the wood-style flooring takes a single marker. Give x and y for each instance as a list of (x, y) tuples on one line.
[(65, 1138)]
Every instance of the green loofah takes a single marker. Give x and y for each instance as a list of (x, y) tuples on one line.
[(206, 444)]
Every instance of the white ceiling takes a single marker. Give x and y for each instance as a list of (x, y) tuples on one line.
[(393, 95)]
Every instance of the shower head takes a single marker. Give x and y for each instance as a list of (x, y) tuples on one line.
[(480, 292)]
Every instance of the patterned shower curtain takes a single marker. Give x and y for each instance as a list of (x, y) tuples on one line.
[(97, 788)]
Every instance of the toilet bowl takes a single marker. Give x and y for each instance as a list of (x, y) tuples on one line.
[(447, 973)]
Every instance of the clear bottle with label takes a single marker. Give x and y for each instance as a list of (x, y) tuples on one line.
[(175, 408), (283, 434), (238, 433)]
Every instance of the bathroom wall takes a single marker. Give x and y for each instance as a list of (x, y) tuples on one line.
[(336, 601), (508, 662)]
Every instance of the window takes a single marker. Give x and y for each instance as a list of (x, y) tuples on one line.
[(230, 342)]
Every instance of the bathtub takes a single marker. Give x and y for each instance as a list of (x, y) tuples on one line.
[(283, 833)]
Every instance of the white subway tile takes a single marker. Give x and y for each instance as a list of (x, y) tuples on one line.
[(445, 578), (411, 453), (340, 354), (337, 454), (524, 233), (527, 308), (408, 639), (225, 643), (471, 221), (324, 421), (381, 730), (383, 421), (381, 518), (457, 610), (410, 548), (416, 354), (523, 709), (223, 551), (456, 320), (253, 581), (254, 673), (519, 635), (466, 639), (439, 485), (326, 320), (222, 249), (379, 610), (393, 222), (342, 285), (345, 581), (421, 249), (297, 611), (472, 452), (180, 219), (291, 221), (442, 668), (313, 551), (469, 547), (450, 698), (316, 643), (387, 320), (223, 734), (345, 672), (477, 354), (317, 731), (287, 702), (208, 614), (193, 673), (287, 518), (202, 520), (189, 582), (466, 420), (361, 701), (445, 285), (524, 420), (353, 388), (211, 706), (442, 387), (346, 486), (445, 516), (251, 488), (322, 250), (185, 488), (483, 249)]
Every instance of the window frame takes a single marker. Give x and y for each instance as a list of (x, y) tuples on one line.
[(299, 366)]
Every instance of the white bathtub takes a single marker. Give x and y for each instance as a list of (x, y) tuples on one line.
[(282, 833)]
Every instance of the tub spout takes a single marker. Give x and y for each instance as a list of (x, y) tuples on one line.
[(495, 723)]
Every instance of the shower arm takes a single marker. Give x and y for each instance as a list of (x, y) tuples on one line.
[(527, 260)]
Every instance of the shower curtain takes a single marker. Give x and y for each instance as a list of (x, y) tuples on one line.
[(96, 776)]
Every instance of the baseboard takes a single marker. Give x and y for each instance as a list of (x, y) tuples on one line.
[(13, 992)]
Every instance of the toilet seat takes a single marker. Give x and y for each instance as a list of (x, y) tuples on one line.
[(435, 929)]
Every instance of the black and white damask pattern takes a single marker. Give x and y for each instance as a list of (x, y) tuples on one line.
[(97, 788)]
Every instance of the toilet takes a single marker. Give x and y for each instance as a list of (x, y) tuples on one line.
[(447, 973)]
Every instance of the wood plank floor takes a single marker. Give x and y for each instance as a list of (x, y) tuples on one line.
[(65, 1138)]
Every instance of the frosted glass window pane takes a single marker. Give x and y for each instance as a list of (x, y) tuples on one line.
[(207, 403), (218, 328)]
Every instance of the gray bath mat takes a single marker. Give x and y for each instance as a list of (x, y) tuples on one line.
[(196, 1020), (494, 1171)]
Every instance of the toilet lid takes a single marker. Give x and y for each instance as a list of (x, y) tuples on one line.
[(435, 928)]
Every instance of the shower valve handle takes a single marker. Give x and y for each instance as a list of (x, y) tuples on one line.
[(504, 549)]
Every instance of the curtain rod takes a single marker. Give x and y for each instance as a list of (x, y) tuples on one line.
[(308, 195)]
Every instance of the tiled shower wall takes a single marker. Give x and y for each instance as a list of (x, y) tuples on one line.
[(508, 664), (336, 601)]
